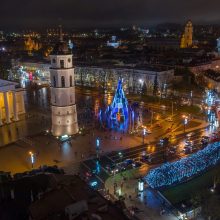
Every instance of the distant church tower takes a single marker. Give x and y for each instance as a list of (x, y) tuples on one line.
[(64, 114), (187, 36)]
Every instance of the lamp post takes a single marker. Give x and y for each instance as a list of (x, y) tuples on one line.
[(144, 133), (191, 97), (152, 117), (141, 83), (120, 155), (97, 147), (32, 159), (185, 122)]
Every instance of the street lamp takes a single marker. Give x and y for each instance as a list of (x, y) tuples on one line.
[(185, 122), (32, 159), (152, 117), (191, 97), (97, 146), (120, 155), (140, 185), (144, 133), (141, 83)]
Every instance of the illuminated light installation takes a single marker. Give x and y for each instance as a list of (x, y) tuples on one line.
[(182, 170), (118, 110), (117, 114)]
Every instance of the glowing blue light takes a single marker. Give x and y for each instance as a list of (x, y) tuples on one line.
[(116, 115), (94, 183), (97, 143), (97, 167), (64, 137), (119, 104), (176, 172)]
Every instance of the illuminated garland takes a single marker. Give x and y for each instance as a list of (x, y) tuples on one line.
[(173, 173)]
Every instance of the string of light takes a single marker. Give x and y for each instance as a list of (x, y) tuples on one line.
[(176, 172)]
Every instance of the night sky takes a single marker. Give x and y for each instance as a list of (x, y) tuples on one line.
[(111, 13)]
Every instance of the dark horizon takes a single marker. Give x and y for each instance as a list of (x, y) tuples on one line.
[(72, 14)]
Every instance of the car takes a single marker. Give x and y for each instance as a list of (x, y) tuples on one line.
[(206, 137), (187, 150), (112, 169), (136, 164), (205, 140), (144, 158), (148, 131), (190, 134), (169, 119), (163, 107), (128, 161), (188, 143), (172, 150), (158, 125)]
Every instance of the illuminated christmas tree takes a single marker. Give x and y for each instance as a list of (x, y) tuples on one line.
[(118, 110)]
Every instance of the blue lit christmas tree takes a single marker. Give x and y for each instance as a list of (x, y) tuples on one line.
[(118, 110)]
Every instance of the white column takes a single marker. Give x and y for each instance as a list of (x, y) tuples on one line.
[(15, 107), (6, 108), (1, 123)]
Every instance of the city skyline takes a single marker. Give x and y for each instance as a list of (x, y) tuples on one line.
[(85, 14)]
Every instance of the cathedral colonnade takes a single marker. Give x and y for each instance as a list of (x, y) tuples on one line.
[(11, 106), (8, 107)]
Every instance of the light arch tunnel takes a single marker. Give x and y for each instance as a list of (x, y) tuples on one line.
[(179, 171)]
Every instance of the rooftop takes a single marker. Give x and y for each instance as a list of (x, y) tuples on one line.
[(214, 75), (71, 190), (4, 83)]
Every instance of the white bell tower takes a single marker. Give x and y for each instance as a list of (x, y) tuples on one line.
[(63, 106)]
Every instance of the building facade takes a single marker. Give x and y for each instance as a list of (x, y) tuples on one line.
[(11, 102), (107, 76), (63, 106), (133, 78)]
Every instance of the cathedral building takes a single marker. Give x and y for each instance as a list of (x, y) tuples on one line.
[(64, 114), (187, 37), (11, 102)]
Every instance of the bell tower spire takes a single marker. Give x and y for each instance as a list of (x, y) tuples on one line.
[(60, 33), (63, 104)]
